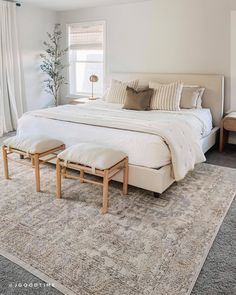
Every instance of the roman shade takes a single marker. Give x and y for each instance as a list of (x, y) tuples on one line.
[(82, 36)]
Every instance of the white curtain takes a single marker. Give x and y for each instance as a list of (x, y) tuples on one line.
[(11, 106)]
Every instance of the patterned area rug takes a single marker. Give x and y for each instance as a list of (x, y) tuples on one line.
[(145, 245)]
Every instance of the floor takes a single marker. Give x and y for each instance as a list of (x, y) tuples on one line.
[(217, 276)]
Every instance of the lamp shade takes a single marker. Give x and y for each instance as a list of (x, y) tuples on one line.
[(93, 78)]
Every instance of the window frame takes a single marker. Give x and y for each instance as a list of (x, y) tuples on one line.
[(101, 22)]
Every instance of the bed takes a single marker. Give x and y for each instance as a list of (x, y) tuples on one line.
[(149, 155)]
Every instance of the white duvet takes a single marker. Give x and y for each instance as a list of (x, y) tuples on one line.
[(181, 131)]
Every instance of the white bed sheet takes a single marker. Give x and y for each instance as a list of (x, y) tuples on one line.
[(143, 149)]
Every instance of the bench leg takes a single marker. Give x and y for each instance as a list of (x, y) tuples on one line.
[(37, 172), (22, 157), (81, 176), (126, 177), (32, 162), (58, 188), (5, 161), (63, 172), (105, 192)]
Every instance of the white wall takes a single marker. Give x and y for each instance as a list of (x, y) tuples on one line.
[(233, 59), (178, 36), (232, 138), (33, 23)]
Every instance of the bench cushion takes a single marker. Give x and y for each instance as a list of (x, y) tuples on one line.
[(32, 144), (92, 155)]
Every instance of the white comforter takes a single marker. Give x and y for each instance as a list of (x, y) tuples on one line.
[(182, 139)]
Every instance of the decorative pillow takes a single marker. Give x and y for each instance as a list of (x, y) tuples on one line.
[(105, 94), (117, 92), (191, 97), (166, 96), (155, 85), (199, 100), (138, 100)]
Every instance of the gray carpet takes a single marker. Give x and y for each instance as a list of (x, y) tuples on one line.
[(216, 277), (14, 280)]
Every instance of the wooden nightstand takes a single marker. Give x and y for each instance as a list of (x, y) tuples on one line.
[(227, 124), (82, 100)]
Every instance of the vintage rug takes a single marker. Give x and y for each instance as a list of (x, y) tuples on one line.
[(144, 246)]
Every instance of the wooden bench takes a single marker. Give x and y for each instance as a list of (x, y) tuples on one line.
[(36, 148), (96, 160)]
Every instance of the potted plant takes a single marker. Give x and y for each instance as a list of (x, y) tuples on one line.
[(52, 64)]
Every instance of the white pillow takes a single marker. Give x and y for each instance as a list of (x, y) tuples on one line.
[(199, 100), (166, 96), (117, 91)]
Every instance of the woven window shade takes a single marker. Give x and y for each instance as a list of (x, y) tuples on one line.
[(87, 37)]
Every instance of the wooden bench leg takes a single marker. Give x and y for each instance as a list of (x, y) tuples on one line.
[(63, 172), (37, 172), (81, 176), (105, 192), (5, 161), (126, 177), (32, 162), (58, 188)]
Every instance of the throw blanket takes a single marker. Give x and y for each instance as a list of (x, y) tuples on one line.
[(183, 140)]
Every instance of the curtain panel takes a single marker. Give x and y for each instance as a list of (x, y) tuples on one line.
[(11, 105)]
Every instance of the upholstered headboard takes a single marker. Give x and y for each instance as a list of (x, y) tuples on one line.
[(213, 97)]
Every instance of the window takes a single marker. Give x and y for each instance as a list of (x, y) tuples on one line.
[(86, 57)]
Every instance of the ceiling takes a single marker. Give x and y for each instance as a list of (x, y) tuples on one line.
[(61, 5)]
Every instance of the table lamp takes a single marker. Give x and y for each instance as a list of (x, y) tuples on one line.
[(93, 79)]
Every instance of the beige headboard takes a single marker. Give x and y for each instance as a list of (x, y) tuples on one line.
[(213, 97)]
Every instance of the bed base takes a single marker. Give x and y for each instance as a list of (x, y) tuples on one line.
[(158, 180)]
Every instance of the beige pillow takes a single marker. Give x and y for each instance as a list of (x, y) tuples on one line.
[(191, 97), (117, 91), (105, 94), (199, 100), (166, 96), (138, 100)]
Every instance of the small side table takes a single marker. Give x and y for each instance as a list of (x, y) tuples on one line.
[(227, 124), (82, 100)]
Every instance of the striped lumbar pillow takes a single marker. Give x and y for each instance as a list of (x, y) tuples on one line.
[(166, 96), (117, 92)]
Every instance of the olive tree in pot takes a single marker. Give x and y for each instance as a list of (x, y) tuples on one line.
[(52, 64)]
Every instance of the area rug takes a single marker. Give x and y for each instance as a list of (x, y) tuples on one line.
[(144, 245)]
